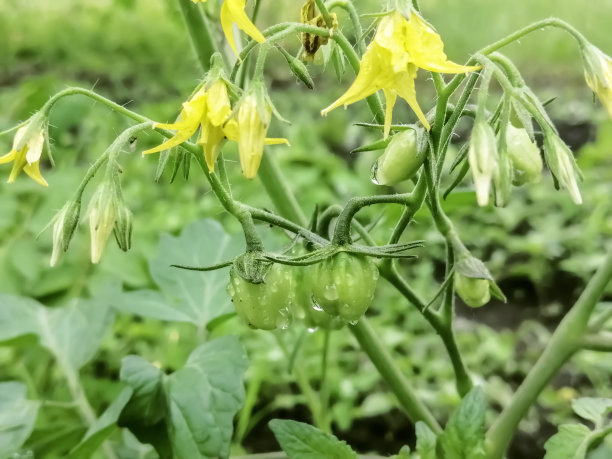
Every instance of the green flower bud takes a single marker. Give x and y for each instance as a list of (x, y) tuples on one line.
[(123, 226), (482, 156), (525, 156), (298, 68), (102, 215), (502, 179), (66, 221), (562, 164), (401, 159), (474, 292)]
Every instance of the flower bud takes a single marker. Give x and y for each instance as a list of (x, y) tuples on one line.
[(123, 226), (562, 164), (473, 291), (102, 215), (401, 159), (298, 68), (66, 221), (598, 74), (482, 156), (525, 156), (502, 179)]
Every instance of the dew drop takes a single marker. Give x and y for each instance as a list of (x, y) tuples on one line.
[(353, 322), (284, 318), (317, 307), (331, 292)]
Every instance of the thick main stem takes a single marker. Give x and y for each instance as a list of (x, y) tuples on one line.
[(565, 341), (201, 40)]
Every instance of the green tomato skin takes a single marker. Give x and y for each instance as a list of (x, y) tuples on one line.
[(263, 306), (344, 285), (474, 292)]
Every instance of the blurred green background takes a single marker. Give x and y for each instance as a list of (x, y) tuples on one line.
[(541, 248)]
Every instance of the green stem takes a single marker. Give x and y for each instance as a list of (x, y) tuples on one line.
[(601, 342), (566, 339), (197, 27), (397, 382), (348, 6)]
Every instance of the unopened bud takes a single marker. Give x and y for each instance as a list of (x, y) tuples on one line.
[(401, 159), (482, 156), (299, 69), (102, 215), (123, 226), (502, 179), (562, 164), (598, 74), (66, 222), (525, 156)]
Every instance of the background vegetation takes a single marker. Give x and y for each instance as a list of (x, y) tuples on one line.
[(541, 248)]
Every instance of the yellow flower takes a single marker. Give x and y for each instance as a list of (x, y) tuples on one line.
[(249, 131), (209, 109), (25, 154), (598, 74), (400, 47), (232, 12)]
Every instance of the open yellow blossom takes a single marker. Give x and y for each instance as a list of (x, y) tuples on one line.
[(400, 47), (25, 153), (232, 12), (598, 74), (208, 108), (249, 131)]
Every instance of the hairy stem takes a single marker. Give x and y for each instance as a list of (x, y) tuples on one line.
[(197, 27)]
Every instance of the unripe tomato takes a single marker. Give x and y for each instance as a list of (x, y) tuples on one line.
[(344, 285), (474, 292), (265, 305), (401, 159)]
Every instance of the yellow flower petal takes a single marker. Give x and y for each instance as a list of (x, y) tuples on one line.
[(390, 97), (210, 139), (33, 170), (191, 117), (232, 12), (275, 141), (10, 156), (219, 106)]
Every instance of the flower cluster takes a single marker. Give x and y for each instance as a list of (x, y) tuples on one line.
[(400, 47), (28, 145)]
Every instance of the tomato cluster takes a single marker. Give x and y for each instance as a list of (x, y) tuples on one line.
[(325, 295)]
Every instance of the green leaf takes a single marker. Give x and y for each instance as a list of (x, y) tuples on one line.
[(72, 333), (303, 441), (592, 408), (463, 437), (148, 402), (404, 453), (568, 443), (188, 414), (426, 441), (102, 427), (17, 417), (187, 296), (203, 398)]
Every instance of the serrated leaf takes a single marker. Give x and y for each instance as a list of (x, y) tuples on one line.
[(568, 443), (463, 437), (72, 333), (17, 417), (592, 408), (102, 427), (303, 441), (426, 441), (187, 296)]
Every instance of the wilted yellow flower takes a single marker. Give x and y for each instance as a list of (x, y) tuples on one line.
[(598, 74), (249, 131), (102, 216), (400, 47), (209, 109), (25, 154)]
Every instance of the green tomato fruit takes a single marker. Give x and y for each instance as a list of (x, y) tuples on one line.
[(474, 292), (343, 285), (263, 306)]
